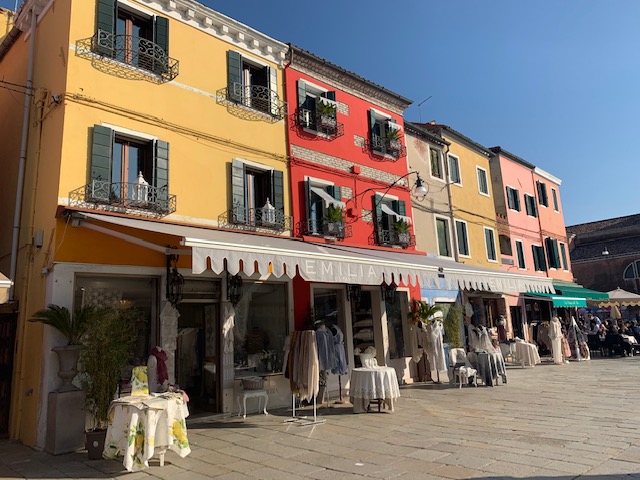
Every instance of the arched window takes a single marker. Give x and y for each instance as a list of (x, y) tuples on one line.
[(632, 272)]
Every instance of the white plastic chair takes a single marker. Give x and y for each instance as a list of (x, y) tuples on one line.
[(461, 369)]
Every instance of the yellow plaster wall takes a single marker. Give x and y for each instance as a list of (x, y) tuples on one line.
[(470, 205), (203, 136)]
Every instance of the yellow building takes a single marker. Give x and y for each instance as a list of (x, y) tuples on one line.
[(165, 111)]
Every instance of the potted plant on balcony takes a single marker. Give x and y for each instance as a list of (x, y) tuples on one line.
[(392, 138), (73, 328), (326, 110), (401, 231), (334, 222), (106, 349)]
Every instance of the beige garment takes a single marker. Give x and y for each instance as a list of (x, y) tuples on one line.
[(555, 334)]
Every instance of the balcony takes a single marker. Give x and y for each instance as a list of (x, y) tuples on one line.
[(130, 198), (328, 230), (384, 147), (324, 125), (255, 220), (252, 102), (128, 56), (391, 238)]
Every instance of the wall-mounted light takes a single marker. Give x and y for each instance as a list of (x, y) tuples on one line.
[(605, 251), (175, 281), (234, 288)]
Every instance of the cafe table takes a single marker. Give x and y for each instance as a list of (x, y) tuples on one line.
[(369, 384), (142, 425)]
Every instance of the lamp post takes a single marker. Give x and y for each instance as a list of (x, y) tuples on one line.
[(419, 189)]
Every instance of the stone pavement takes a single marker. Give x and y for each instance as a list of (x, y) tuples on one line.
[(553, 421)]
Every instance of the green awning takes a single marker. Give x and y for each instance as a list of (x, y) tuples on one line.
[(574, 290), (560, 300)]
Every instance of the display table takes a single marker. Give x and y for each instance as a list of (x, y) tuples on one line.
[(377, 383), (526, 354), (138, 425)]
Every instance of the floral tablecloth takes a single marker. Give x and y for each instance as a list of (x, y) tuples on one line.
[(138, 425)]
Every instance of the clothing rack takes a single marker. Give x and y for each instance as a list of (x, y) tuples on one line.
[(303, 360)]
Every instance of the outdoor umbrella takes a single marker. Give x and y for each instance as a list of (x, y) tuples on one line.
[(621, 297)]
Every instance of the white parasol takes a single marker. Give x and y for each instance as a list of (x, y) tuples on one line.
[(619, 297)]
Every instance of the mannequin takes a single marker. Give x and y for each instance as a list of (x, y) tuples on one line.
[(434, 347), (157, 370), (555, 334), (502, 329)]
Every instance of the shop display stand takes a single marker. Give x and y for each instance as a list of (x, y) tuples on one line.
[(304, 421)]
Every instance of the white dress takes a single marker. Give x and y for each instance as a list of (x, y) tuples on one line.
[(434, 346), (555, 334)]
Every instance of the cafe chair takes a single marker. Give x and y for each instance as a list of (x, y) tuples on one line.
[(461, 370)]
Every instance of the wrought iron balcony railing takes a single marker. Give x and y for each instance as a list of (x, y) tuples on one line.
[(326, 125), (386, 147), (124, 197), (392, 238), (255, 220), (242, 100), (321, 228), (131, 51)]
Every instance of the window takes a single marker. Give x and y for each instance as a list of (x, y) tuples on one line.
[(554, 196), (385, 135), (553, 253), (505, 247), (436, 163), (483, 186), (392, 222), (252, 84), (530, 204), (520, 251), (132, 37), (632, 271), (442, 234), (260, 328), (539, 262), (563, 253), (119, 160), (490, 242), (324, 209), (513, 199), (542, 193), (454, 170), (257, 195), (463, 238), (317, 108)]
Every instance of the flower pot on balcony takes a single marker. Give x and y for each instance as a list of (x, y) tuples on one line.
[(327, 121), (404, 239), (334, 229)]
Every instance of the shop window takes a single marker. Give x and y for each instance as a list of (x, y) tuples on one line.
[(395, 324), (121, 292), (260, 328)]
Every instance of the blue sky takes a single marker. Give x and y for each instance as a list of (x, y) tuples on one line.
[(554, 82)]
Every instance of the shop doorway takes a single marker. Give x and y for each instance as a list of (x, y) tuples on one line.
[(516, 322), (198, 355)]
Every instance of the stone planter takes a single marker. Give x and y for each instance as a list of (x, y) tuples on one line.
[(68, 363)]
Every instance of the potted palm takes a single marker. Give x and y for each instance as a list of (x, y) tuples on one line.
[(326, 110), (334, 222), (422, 311), (401, 232), (106, 348), (392, 138), (72, 328)]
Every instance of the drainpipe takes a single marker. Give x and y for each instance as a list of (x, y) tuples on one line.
[(23, 158)]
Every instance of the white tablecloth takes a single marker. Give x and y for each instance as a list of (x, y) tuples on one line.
[(527, 354), (140, 424), (373, 383)]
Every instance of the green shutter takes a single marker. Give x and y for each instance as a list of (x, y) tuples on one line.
[(161, 173), (234, 76), (238, 192), (330, 95), (101, 155), (273, 87), (302, 93), (307, 190), (106, 22), (400, 207), (372, 123), (161, 39), (277, 185), (335, 192)]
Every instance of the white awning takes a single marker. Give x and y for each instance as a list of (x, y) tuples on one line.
[(5, 285), (327, 262), (326, 198), (387, 209)]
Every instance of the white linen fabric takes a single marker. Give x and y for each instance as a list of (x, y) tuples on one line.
[(435, 347), (555, 334), (526, 354), (373, 383)]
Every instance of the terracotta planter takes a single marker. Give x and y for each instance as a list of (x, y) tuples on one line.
[(68, 363)]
